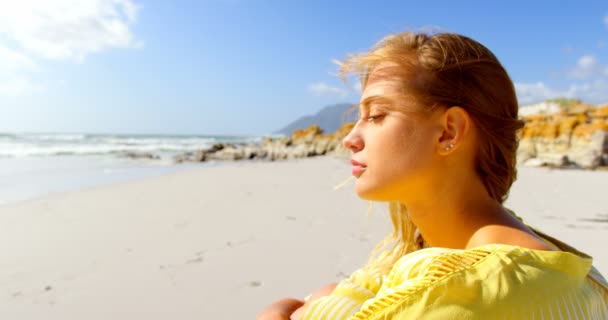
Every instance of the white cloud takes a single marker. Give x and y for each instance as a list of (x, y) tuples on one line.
[(322, 88), (595, 91), (586, 67), (606, 20), (16, 85), (592, 81), (528, 93), (13, 60), (14, 72), (32, 30), (68, 29)]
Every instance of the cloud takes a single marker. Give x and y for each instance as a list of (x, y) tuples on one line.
[(528, 93), (15, 73), (606, 20), (15, 68), (590, 84), (586, 67), (322, 88), (14, 85), (68, 30), (594, 91), (13, 60)]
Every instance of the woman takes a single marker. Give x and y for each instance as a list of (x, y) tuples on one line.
[(437, 139)]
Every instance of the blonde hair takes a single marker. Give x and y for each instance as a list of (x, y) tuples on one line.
[(446, 70)]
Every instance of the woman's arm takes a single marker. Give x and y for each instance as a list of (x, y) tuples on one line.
[(291, 309), (280, 310), (323, 291)]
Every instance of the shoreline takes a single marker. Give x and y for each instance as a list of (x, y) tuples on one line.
[(33, 178), (90, 172), (86, 173)]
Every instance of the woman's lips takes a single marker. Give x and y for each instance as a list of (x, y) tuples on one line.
[(357, 168)]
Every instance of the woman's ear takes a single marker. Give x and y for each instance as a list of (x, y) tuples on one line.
[(456, 124)]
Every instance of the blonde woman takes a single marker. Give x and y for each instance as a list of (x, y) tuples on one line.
[(437, 139)]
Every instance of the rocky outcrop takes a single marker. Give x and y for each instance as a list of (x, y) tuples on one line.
[(303, 143), (574, 136), (139, 155)]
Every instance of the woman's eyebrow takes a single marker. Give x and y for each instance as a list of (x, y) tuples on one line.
[(364, 104)]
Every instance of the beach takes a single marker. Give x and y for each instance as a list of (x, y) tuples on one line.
[(222, 242)]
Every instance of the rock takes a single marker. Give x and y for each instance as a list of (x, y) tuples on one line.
[(200, 156), (306, 135), (140, 155), (534, 162), (216, 147), (299, 151), (591, 150), (228, 153), (322, 145), (575, 136), (526, 150), (181, 158)]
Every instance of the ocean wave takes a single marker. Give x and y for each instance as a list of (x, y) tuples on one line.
[(45, 145)]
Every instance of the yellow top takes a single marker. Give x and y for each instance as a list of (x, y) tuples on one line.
[(494, 281)]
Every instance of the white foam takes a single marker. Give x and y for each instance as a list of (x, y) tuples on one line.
[(45, 145)]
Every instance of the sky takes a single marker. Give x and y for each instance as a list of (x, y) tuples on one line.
[(249, 67)]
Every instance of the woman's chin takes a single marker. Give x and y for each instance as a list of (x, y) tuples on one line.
[(365, 192), (360, 190)]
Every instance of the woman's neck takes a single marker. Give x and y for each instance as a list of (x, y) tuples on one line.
[(467, 217), (452, 216)]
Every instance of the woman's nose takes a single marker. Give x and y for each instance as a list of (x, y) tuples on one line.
[(353, 141)]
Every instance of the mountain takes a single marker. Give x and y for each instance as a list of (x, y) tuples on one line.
[(330, 119)]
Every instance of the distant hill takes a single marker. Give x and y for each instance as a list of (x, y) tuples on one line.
[(330, 119)]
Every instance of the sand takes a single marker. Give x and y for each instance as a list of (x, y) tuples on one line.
[(224, 241)]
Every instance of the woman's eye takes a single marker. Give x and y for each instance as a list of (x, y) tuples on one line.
[(372, 118)]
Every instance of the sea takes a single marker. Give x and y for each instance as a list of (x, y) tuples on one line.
[(33, 165)]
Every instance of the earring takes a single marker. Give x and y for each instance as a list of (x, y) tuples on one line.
[(450, 146)]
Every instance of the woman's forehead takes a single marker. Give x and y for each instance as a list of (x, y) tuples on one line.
[(383, 85), (381, 90), (388, 93), (385, 70)]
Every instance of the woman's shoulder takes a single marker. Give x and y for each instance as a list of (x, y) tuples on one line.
[(433, 264), (425, 266), (473, 281)]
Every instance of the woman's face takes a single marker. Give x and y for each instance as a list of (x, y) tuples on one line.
[(393, 143)]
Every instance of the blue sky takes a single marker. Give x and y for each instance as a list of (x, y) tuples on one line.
[(250, 67)]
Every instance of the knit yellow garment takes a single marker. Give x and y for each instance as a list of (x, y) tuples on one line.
[(489, 282)]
